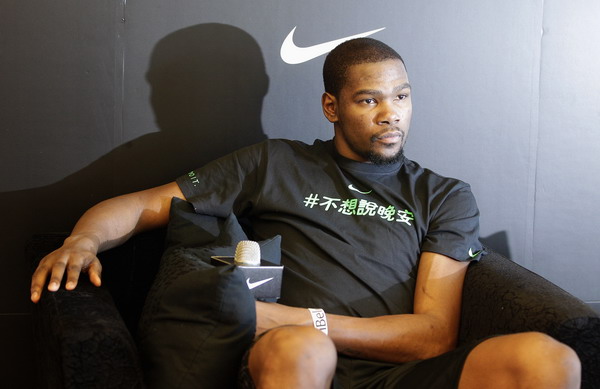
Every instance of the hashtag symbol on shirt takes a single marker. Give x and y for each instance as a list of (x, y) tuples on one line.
[(311, 200)]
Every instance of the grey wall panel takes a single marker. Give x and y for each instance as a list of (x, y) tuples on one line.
[(56, 88), (57, 115), (57, 104), (567, 222)]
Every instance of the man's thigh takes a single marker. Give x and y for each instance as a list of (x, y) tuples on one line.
[(441, 372)]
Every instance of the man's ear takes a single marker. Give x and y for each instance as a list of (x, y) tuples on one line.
[(329, 104)]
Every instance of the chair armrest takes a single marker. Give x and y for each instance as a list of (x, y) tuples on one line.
[(502, 297), (81, 339)]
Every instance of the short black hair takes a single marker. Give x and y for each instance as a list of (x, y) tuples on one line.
[(353, 52)]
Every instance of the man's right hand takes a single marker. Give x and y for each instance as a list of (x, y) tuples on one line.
[(105, 225), (77, 254)]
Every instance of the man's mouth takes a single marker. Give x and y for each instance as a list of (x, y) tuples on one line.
[(389, 137)]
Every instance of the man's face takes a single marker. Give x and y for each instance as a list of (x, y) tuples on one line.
[(372, 113)]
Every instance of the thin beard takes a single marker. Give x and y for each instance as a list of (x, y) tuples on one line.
[(377, 159)]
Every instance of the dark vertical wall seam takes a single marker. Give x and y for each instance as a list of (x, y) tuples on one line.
[(534, 145), (119, 74)]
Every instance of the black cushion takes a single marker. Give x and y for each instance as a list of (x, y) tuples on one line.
[(199, 327), (191, 230), (198, 319)]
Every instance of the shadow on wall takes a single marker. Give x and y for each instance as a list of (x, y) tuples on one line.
[(208, 83)]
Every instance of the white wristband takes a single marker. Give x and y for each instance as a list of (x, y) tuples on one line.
[(319, 319)]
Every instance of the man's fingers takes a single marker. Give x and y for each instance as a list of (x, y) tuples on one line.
[(37, 282), (58, 271), (80, 264), (54, 266), (73, 271), (95, 272)]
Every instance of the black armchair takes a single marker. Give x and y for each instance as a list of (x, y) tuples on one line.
[(86, 338)]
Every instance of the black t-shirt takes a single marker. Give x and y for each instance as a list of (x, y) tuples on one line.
[(352, 232)]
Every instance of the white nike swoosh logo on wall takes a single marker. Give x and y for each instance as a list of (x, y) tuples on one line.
[(293, 55), (252, 285)]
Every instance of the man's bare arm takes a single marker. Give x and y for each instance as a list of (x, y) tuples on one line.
[(431, 330), (103, 226)]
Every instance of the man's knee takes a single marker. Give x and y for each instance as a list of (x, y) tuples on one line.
[(293, 349), (517, 359), (545, 356), (298, 341)]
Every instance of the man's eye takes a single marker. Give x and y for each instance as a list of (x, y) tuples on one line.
[(402, 97), (369, 101)]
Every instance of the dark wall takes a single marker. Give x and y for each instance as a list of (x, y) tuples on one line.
[(57, 77), (103, 98)]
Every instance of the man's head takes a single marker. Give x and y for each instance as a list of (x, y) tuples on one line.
[(367, 98), (353, 52)]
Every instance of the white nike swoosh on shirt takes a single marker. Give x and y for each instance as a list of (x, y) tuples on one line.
[(351, 187), (472, 254), (252, 285), (293, 55)]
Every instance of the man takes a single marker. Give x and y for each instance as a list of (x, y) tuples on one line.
[(376, 241)]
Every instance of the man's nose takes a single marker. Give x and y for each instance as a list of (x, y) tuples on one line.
[(388, 114)]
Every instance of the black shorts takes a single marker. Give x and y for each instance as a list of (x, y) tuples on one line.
[(441, 372)]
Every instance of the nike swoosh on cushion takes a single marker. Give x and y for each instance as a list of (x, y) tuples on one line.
[(351, 187), (293, 55), (252, 285)]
